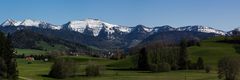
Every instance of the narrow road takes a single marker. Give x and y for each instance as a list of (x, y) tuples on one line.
[(24, 78)]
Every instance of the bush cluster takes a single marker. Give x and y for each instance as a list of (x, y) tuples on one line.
[(63, 68), (229, 68), (92, 70), (160, 67)]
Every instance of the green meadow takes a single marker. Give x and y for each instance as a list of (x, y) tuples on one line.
[(209, 50)]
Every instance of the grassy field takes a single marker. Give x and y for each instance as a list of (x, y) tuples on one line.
[(39, 69), (45, 48), (212, 51), (48, 47), (209, 50), (30, 51)]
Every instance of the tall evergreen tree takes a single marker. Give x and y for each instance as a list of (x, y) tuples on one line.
[(3, 69), (2, 61), (200, 63), (143, 60), (183, 56), (8, 58)]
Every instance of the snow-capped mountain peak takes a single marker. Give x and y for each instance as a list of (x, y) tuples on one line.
[(29, 22), (140, 28), (199, 28), (95, 27), (163, 28), (237, 29), (10, 22), (94, 24)]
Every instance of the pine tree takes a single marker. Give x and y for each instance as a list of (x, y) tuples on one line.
[(143, 60), (200, 63), (183, 56), (3, 69), (8, 58)]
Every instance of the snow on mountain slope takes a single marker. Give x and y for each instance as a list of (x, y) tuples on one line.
[(11, 22), (56, 27), (123, 29), (163, 28), (141, 28), (198, 28), (235, 31), (29, 22), (147, 29), (94, 24)]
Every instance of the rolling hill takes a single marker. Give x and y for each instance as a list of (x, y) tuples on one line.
[(27, 40), (211, 50)]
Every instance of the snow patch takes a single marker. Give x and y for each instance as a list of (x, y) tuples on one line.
[(147, 29), (124, 29)]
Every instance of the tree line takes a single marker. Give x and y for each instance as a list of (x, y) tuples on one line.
[(162, 56)]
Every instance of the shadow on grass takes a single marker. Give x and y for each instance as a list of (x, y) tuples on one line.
[(84, 77), (130, 69), (47, 76), (123, 69), (133, 69), (44, 75)]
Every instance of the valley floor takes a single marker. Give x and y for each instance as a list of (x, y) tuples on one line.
[(209, 50), (38, 71)]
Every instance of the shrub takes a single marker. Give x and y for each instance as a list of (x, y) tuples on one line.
[(174, 67), (208, 69), (161, 67), (52, 55), (192, 66), (92, 70), (63, 68), (193, 42), (199, 65), (117, 56)]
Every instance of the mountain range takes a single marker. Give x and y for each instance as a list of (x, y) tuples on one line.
[(94, 32)]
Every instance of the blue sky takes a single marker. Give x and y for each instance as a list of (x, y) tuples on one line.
[(220, 14)]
